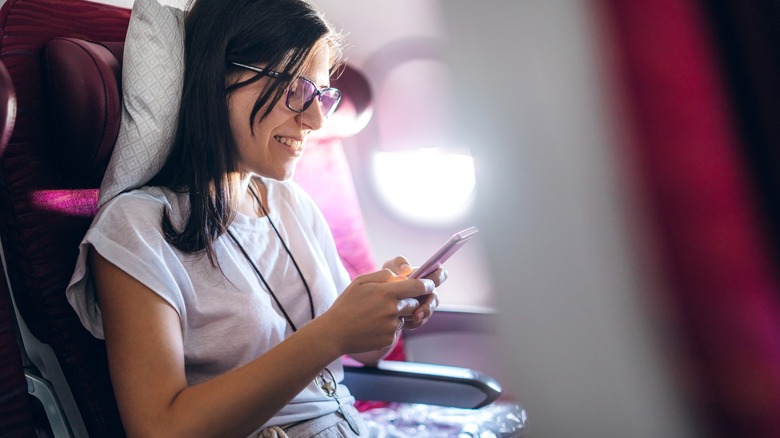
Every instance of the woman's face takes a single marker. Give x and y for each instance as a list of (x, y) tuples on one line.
[(279, 139)]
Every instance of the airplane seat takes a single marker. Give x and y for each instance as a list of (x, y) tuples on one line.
[(46, 211), (65, 59), (16, 417)]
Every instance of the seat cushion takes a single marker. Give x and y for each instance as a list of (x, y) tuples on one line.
[(86, 118)]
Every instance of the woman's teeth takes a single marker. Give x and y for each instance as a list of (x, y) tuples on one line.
[(292, 143)]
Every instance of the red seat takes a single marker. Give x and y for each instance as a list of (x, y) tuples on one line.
[(16, 417), (43, 219)]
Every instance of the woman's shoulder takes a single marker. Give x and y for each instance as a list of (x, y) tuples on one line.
[(287, 191), (145, 198), (144, 204), (292, 202)]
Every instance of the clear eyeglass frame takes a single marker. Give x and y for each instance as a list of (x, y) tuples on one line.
[(302, 91)]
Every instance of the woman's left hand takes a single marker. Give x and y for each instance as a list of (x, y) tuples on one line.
[(423, 312), (427, 304)]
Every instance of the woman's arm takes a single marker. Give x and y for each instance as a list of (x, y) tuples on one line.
[(146, 356)]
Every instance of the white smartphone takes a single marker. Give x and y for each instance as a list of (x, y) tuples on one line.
[(443, 253)]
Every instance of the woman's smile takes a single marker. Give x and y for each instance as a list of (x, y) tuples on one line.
[(293, 144)]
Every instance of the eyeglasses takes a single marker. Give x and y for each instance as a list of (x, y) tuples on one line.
[(302, 91)]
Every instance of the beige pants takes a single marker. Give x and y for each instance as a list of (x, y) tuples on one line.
[(331, 425)]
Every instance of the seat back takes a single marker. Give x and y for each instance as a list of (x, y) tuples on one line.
[(65, 57), (16, 418)]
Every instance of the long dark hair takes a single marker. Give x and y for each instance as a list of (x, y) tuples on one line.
[(281, 34)]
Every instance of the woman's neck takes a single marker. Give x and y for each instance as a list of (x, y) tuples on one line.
[(252, 196)]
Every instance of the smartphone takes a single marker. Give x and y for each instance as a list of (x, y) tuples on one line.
[(443, 253)]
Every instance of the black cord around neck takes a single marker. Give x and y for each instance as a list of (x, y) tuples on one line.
[(326, 381), (260, 275)]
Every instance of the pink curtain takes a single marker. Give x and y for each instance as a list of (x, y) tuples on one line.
[(703, 201)]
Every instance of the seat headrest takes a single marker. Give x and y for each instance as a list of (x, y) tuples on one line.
[(84, 83), (7, 107)]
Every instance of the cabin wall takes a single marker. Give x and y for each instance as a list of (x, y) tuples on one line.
[(582, 332)]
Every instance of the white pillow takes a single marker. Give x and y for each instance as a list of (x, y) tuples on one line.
[(151, 88)]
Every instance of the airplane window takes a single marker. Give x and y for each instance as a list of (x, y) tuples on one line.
[(420, 174), (437, 188)]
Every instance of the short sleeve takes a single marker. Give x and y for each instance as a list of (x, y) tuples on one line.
[(128, 234)]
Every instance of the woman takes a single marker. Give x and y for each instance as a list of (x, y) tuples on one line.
[(224, 305)]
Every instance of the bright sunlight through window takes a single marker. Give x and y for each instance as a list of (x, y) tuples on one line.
[(426, 187)]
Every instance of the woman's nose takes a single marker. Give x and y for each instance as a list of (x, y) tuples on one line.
[(313, 118)]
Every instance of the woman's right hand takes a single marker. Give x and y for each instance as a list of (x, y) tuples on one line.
[(367, 315)]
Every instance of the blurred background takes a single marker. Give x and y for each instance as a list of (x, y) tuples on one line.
[(625, 181)]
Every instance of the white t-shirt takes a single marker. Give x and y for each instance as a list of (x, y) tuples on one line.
[(227, 320)]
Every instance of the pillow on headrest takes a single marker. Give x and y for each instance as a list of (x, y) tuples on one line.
[(151, 89)]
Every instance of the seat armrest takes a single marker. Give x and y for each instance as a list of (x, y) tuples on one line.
[(412, 382)]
